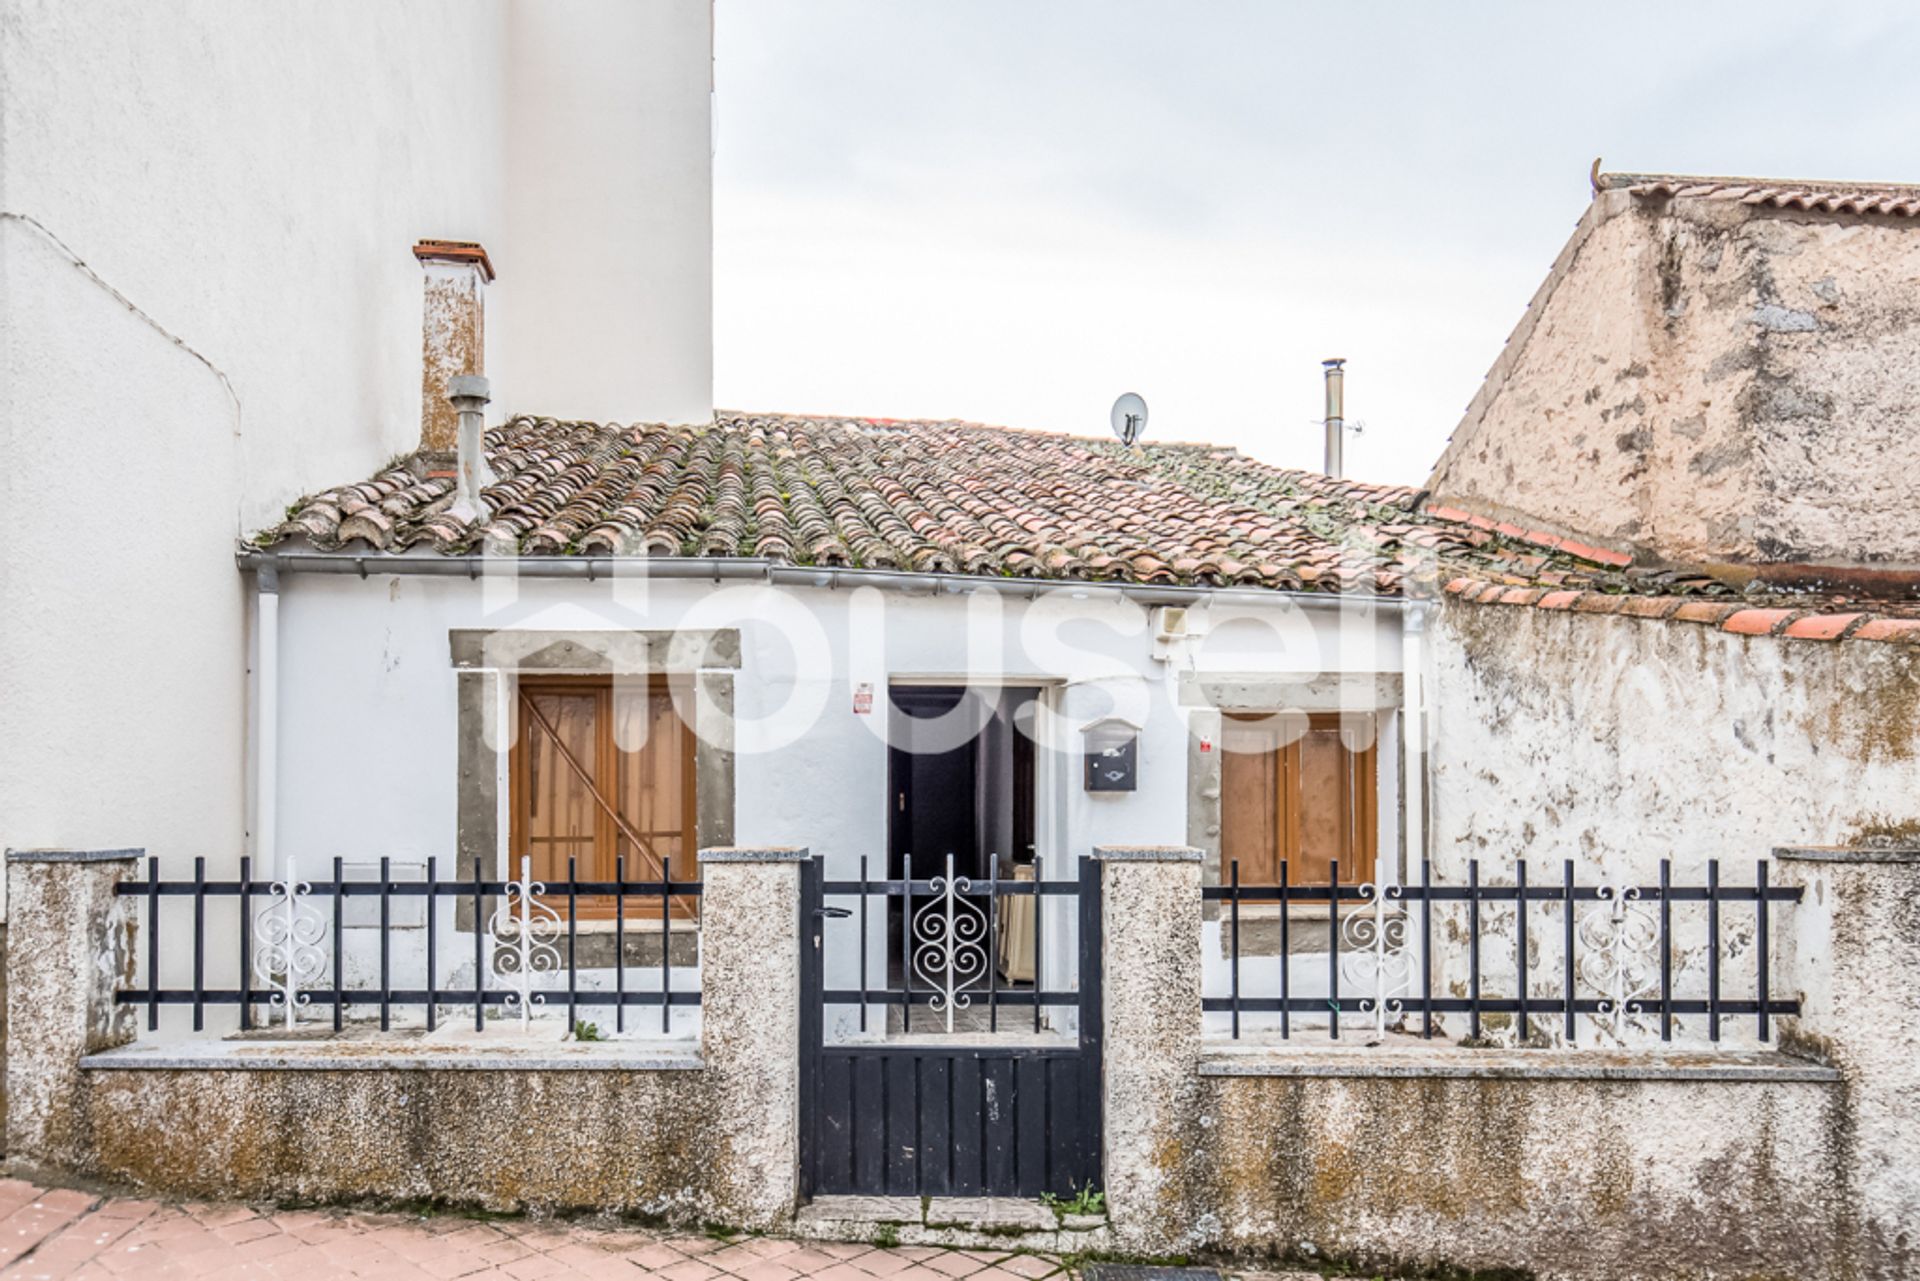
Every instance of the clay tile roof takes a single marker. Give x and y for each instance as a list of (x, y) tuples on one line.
[(1896, 199), (930, 497)]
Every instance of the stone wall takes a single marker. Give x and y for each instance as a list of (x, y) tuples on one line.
[(1563, 1165), (1630, 1179), (1709, 383), (1616, 742), (617, 1126)]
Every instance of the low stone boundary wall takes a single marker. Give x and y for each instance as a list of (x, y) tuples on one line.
[(706, 1135), (1556, 1164), (510, 1138), (1659, 1175), (1561, 1165)]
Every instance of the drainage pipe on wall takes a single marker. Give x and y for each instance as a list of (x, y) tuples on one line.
[(1413, 737)]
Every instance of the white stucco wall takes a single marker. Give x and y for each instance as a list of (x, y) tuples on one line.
[(208, 307), (369, 715)]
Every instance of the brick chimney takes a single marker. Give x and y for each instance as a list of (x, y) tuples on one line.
[(453, 340)]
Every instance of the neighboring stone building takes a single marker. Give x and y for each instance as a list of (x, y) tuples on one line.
[(1718, 382), (1720, 373)]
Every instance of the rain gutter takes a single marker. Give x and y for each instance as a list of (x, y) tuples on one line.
[(717, 569)]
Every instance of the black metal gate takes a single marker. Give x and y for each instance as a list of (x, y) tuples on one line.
[(926, 1114)]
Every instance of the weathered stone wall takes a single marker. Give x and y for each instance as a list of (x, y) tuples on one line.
[(712, 1139), (1616, 742), (1564, 1165), (1567, 1179), (59, 991), (1709, 383), (634, 1141)]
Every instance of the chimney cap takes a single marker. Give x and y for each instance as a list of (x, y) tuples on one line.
[(455, 251), (469, 387), (1334, 362)]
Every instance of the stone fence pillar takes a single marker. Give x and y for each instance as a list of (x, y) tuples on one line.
[(750, 1028), (1854, 954), (1150, 911), (69, 949)]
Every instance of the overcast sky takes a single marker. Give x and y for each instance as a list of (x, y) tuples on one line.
[(1011, 211)]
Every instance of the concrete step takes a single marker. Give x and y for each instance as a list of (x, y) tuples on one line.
[(1005, 1223)]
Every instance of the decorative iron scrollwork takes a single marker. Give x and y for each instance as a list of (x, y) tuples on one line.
[(525, 933), (1620, 958), (288, 958), (950, 944), (1375, 955)]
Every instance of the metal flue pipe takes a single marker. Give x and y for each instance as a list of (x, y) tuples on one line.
[(1336, 419)]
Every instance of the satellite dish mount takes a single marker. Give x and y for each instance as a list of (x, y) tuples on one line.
[(1129, 418)]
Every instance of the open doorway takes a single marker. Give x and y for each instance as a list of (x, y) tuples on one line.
[(961, 779)]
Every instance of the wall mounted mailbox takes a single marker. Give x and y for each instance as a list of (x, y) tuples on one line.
[(1112, 754)]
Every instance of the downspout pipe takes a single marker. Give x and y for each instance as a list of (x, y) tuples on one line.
[(1413, 733), (266, 730), (718, 569)]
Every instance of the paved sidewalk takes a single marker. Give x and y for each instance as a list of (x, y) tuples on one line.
[(57, 1234)]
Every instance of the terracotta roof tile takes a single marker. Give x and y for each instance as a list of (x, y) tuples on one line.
[(1895, 199), (948, 497), (927, 497)]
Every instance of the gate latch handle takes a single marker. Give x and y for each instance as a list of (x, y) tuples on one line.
[(833, 913)]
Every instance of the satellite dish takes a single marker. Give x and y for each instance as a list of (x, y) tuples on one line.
[(1129, 418)]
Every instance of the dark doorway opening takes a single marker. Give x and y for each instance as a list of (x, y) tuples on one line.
[(961, 779)]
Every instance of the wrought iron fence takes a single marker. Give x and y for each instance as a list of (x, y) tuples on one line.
[(1610, 952), (948, 944), (525, 941)]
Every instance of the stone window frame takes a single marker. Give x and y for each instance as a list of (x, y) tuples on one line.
[(1209, 696), (486, 662)]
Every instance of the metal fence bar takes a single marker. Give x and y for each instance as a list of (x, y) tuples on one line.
[(1426, 948), (1233, 905), (993, 944), (1333, 949), (1610, 950), (906, 946), (573, 939), (666, 944), (1039, 954), (1286, 952), (386, 977), (153, 943), (620, 944), (479, 947), (863, 943), (433, 951), (246, 945), (1666, 949), (199, 942), (1713, 949), (1761, 981), (339, 973), (1520, 942), (1473, 937), (1567, 975)]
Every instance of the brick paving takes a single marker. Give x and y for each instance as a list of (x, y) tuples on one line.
[(54, 1234)]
